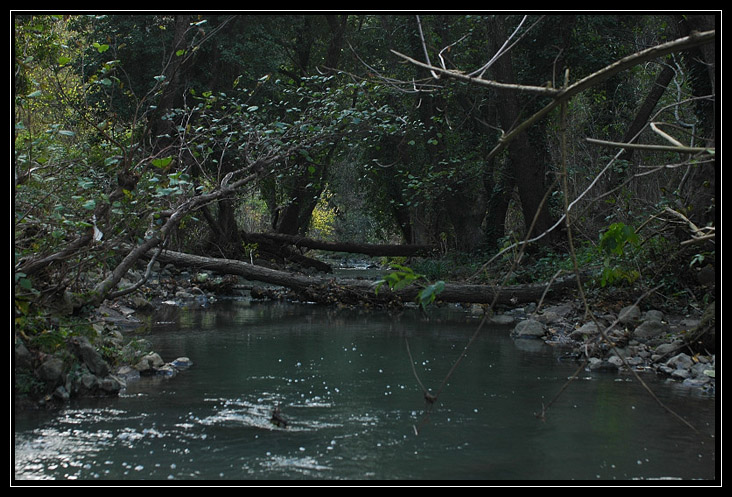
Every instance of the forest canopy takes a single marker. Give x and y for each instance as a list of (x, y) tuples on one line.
[(470, 133)]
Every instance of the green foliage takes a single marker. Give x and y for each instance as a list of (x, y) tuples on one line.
[(613, 247), (404, 277), (401, 278)]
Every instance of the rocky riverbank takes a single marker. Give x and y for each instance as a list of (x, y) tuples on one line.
[(644, 340)]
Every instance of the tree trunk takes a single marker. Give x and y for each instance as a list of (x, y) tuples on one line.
[(524, 158)]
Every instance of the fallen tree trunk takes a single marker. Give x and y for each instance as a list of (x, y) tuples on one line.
[(374, 250), (349, 291)]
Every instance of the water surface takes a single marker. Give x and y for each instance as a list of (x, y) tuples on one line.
[(343, 380)]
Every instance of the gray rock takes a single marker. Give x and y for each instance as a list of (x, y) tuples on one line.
[(23, 358), (182, 363), (680, 361), (61, 393), (88, 383), (667, 348), (617, 361), (51, 370), (502, 320), (110, 385), (166, 370), (586, 330), (528, 328), (649, 329), (128, 373), (561, 310), (697, 382), (89, 356), (680, 374), (596, 364), (140, 303), (149, 363), (653, 315), (629, 314)]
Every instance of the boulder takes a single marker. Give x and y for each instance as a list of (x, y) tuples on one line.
[(653, 315), (23, 358), (680, 361), (87, 354), (649, 329), (149, 363), (629, 314), (528, 328), (51, 371)]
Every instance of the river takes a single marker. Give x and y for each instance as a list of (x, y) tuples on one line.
[(343, 380)]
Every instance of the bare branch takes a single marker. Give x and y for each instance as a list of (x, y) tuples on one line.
[(540, 90), (694, 40), (656, 148)]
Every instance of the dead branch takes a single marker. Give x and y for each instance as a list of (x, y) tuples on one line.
[(652, 148)]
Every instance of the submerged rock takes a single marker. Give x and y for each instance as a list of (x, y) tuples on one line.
[(182, 363)]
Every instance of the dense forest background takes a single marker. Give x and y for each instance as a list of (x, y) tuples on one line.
[(194, 133)]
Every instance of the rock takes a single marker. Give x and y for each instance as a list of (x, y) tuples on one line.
[(653, 315), (561, 310), (140, 303), (697, 382), (23, 358), (706, 275), (629, 314), (89, 356), (88, 383), (615, 360), (649, 329), (680, 361), (110, 385), (51, 371), (502, 320), (596, 364), (680, 374), (166, 370), (149, 363), (128, 373), (528, 328), (586, 330), (667, 348), (182, 363), (61, 394)]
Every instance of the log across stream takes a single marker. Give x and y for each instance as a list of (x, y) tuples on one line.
[(330, 290)]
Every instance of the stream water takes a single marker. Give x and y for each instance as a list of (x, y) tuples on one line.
[(343, 380)]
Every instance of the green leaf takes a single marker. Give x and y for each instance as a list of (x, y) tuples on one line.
[(161, 163), (101, 48), (428, 294)]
